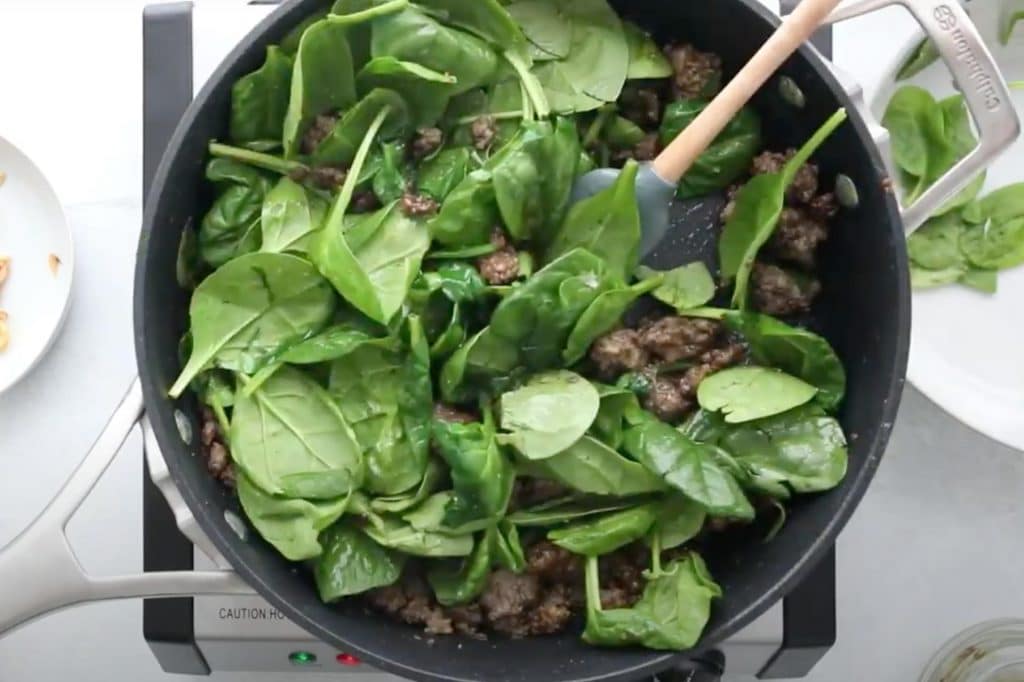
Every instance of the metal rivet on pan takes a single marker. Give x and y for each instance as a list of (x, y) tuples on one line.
[(184, 426), (791, 92), (846, 192), (237, 524)]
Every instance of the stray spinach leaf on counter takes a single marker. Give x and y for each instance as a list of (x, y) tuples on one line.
[(399, 320)]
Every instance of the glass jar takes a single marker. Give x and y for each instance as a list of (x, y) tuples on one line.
[(989, 652)]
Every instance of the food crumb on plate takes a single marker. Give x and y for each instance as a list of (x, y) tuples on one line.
[(54, 262)]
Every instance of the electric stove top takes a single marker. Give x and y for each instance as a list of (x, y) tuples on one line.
[(204, 635)]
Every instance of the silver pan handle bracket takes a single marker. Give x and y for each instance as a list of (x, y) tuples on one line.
[(978, 77), (39, 571)]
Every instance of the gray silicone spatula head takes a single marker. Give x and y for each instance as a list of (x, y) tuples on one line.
[(656, 182)]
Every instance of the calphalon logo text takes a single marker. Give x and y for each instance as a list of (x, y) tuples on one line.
[(984, 83), (245, 613)]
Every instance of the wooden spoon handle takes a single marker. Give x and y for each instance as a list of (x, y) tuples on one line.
[(799, 26)]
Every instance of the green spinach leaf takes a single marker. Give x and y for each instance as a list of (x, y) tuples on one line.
[(562, 512), (441, 174), (291, 525), (589, 466), (469, 214), (608, 533), (425, 91), (289, 218), (481, 474), (250, 309), (728, 157), (506, 548), (487, 19), (546, 26), (232, 226), (936, 245), (679, 520), (797, 351), (923, 56), (994, 246), (433, 478), (744, 394), (352, 564), (646, 60), (759, 205), (340, 146), (1002, 205), (686, 287), (602, 316), (259, 100), (460, 584), (290, 439), (548, 414), (401, 536)]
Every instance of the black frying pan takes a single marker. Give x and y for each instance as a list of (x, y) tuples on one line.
[(864, 312)]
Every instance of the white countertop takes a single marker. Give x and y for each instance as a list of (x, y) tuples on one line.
[(935, 546)]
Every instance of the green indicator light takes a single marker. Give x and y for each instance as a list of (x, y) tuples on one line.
[(302, 658)]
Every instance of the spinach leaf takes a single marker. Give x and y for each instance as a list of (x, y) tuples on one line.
[(469, 214), (290, 439), (617, 405), (608, 533), (250, 309), (917, 129), (606, 224), (441, 174), (803, 448), (799, 352), (433, 477), (481, 474), (389, 184), (994, 246), (323, 81), (413, 36), (232, 226), (1000, 206), (744, 394), (561, 92), (369, 386), (679, 520), (291, 525), (425, 91), (589, 466), (920, 278), (728, 157), (984, 281), (546, 26), (598, 60), (289, 217), (646, 60), (259, 100), (548, 414), (506, 548), (481, 359), (671, 615), (686, 466), (340, 146), (923, 56), (400, 536), (936, 245), (464, 583), (685, 287), (352, 564), (703, 426), (487, 19), (621, 133), (1008, 22), (548, 515), (759, 204), (602, 316), (376, 276)]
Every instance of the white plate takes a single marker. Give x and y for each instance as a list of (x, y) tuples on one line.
[(32, 226), (966, 352)]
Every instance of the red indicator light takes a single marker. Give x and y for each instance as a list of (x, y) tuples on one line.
[(347, 659)]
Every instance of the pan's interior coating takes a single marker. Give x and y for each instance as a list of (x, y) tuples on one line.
[(864, 312)]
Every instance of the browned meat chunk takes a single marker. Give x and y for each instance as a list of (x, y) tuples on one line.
[(666, 401), (411, 601), (323, 126), (467, 620), (328, 177), (777, 292), (364, 202), (648, 149), (484, 130), (530, 492), (797, 237), (710, 362), (642, 106), (416, 205), (502, 266), (215, 451), (553, 613), (426, 142), (509, 595), (824, 206), (679, 338), (696, 72), (446, 413), (618, 352), (804, 186), (554, 564), (622, 576)]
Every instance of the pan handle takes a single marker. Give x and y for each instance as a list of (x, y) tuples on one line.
[(39, 570), (979, 79)]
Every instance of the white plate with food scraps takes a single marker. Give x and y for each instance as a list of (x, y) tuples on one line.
[(966, 353), (37, 253)]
